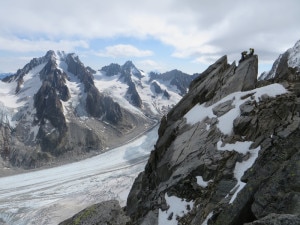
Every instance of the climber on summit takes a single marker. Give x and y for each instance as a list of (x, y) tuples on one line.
[(251, 51), (244, 54)]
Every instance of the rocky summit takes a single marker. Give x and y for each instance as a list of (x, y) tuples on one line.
[(227, 153)]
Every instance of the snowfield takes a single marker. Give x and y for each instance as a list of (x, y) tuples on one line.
[(52, 195)]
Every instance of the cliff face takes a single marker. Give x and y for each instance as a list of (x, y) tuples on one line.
[(227, 153)]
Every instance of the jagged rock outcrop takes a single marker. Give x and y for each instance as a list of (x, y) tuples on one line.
[(129, 68), (97, 105), (108, 212), (158, 90), (49, 108), (125, 73), (230, 148)]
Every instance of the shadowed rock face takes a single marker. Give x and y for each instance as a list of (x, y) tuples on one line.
[(97, 105), (185, 151), (49, 110)]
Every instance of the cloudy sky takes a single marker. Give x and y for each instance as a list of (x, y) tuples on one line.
[(156, 35)]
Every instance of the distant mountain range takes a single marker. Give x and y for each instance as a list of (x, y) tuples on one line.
[(3, 75), (55, 107)]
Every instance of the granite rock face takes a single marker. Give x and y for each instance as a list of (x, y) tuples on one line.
[(237, 163)]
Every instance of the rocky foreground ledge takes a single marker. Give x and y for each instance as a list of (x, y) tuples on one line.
[(227, 153)]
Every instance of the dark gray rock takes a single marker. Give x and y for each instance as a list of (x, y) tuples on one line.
[(223, 108), (133, 95), (157, 88), (277, 219), (112, 69)]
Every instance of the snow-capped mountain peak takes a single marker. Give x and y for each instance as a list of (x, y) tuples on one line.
[(56, 105), (294, 56), (287, 64), (130, 68)]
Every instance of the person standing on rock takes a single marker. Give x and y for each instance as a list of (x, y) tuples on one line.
[(251, 51), (244, 54)]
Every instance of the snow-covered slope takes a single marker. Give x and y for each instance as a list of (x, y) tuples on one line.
[(115, 80), (153, 103)]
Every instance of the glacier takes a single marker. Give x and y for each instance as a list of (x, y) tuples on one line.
[(49, 196)]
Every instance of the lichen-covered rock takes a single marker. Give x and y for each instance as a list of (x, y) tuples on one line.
[(108, 212)]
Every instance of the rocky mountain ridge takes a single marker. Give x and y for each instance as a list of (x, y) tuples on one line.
[(55, 108), (227, 153), (236, 163)]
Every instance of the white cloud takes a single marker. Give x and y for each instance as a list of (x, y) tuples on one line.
[(150, 65), (123, 50), (195, 29), (25, 45)]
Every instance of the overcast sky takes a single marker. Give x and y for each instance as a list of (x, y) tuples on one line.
[(157, 35)]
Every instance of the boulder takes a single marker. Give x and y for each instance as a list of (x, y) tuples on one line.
[(108, 212)]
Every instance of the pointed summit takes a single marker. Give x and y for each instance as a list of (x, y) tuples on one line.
[(131, 69)]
